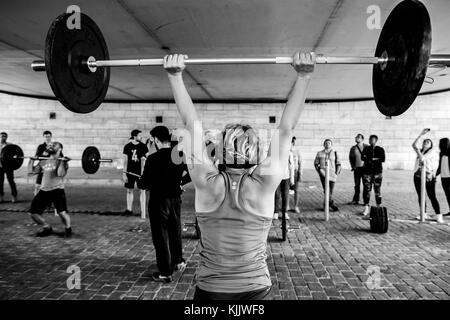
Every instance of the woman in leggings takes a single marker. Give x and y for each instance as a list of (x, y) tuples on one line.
[(425, 158), (444, 168)]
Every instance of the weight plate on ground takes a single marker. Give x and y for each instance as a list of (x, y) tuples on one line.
[(90, 160), (11, 157), (73, 84), (406, 40), (379, 219)]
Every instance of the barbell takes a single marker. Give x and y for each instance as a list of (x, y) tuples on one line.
[(12, 158), (78, 66)]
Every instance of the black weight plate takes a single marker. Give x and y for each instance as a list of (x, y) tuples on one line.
[(406, 39), (90, 160), (378, 220), (73, 84), (9, 157)]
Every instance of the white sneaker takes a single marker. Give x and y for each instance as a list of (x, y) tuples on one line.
[(286, 215), (366, 211), (440, 218), (297, 209), (275, 216), (419, 218), (180, 266)]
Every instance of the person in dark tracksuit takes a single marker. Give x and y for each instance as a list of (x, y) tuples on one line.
[(373, 157), (163, 177)]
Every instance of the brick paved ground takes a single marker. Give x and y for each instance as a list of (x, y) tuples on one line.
[(338, 259)]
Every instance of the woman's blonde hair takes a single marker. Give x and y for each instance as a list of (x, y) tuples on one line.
[(241, 146)]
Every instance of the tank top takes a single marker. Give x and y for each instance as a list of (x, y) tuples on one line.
[(233, 244)]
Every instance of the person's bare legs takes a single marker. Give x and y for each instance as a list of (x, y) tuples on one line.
[(65, 218), (46, 228), (39, 220), (130, 199), (143, 200)]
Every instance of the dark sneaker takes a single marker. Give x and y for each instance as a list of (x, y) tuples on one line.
[(128, 213), (180, 266), (333, 207), (68, 232), (160, 278), (45, 232), (354, 202)]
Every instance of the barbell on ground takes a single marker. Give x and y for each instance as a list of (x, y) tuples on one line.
[(12, 158), (77, 61)]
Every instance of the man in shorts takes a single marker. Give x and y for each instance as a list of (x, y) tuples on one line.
[(134, 154), (51, 190)]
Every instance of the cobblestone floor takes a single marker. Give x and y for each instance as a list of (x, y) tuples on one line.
[(339, 259)]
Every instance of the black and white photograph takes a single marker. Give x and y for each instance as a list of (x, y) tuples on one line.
[(228, 156)]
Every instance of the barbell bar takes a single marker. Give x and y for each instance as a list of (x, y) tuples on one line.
[(76, 60), (92, 64)]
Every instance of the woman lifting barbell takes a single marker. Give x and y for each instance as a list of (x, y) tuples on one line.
[(234, 207)]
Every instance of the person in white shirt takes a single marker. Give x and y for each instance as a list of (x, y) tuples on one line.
[(426, 159), (444, 168)]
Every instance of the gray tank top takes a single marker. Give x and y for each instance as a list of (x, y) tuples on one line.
[(233, 245)]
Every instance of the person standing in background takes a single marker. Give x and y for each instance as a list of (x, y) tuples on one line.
[(335, 168), (9, 173), (426, 159), (282, 192), (444, 168), (134, 154), (373, 157), (163, 177), (297, 171), (357, 164)]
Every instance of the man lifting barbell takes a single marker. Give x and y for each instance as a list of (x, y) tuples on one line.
[(234, 207), (51, 191)]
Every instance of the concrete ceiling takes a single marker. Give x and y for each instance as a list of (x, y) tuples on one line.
[(214, 28)]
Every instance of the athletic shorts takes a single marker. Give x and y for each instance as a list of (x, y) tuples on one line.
[(132, 181), (44, 199)]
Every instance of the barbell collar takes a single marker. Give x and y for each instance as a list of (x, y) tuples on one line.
[(440, 59), (38, 65)]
